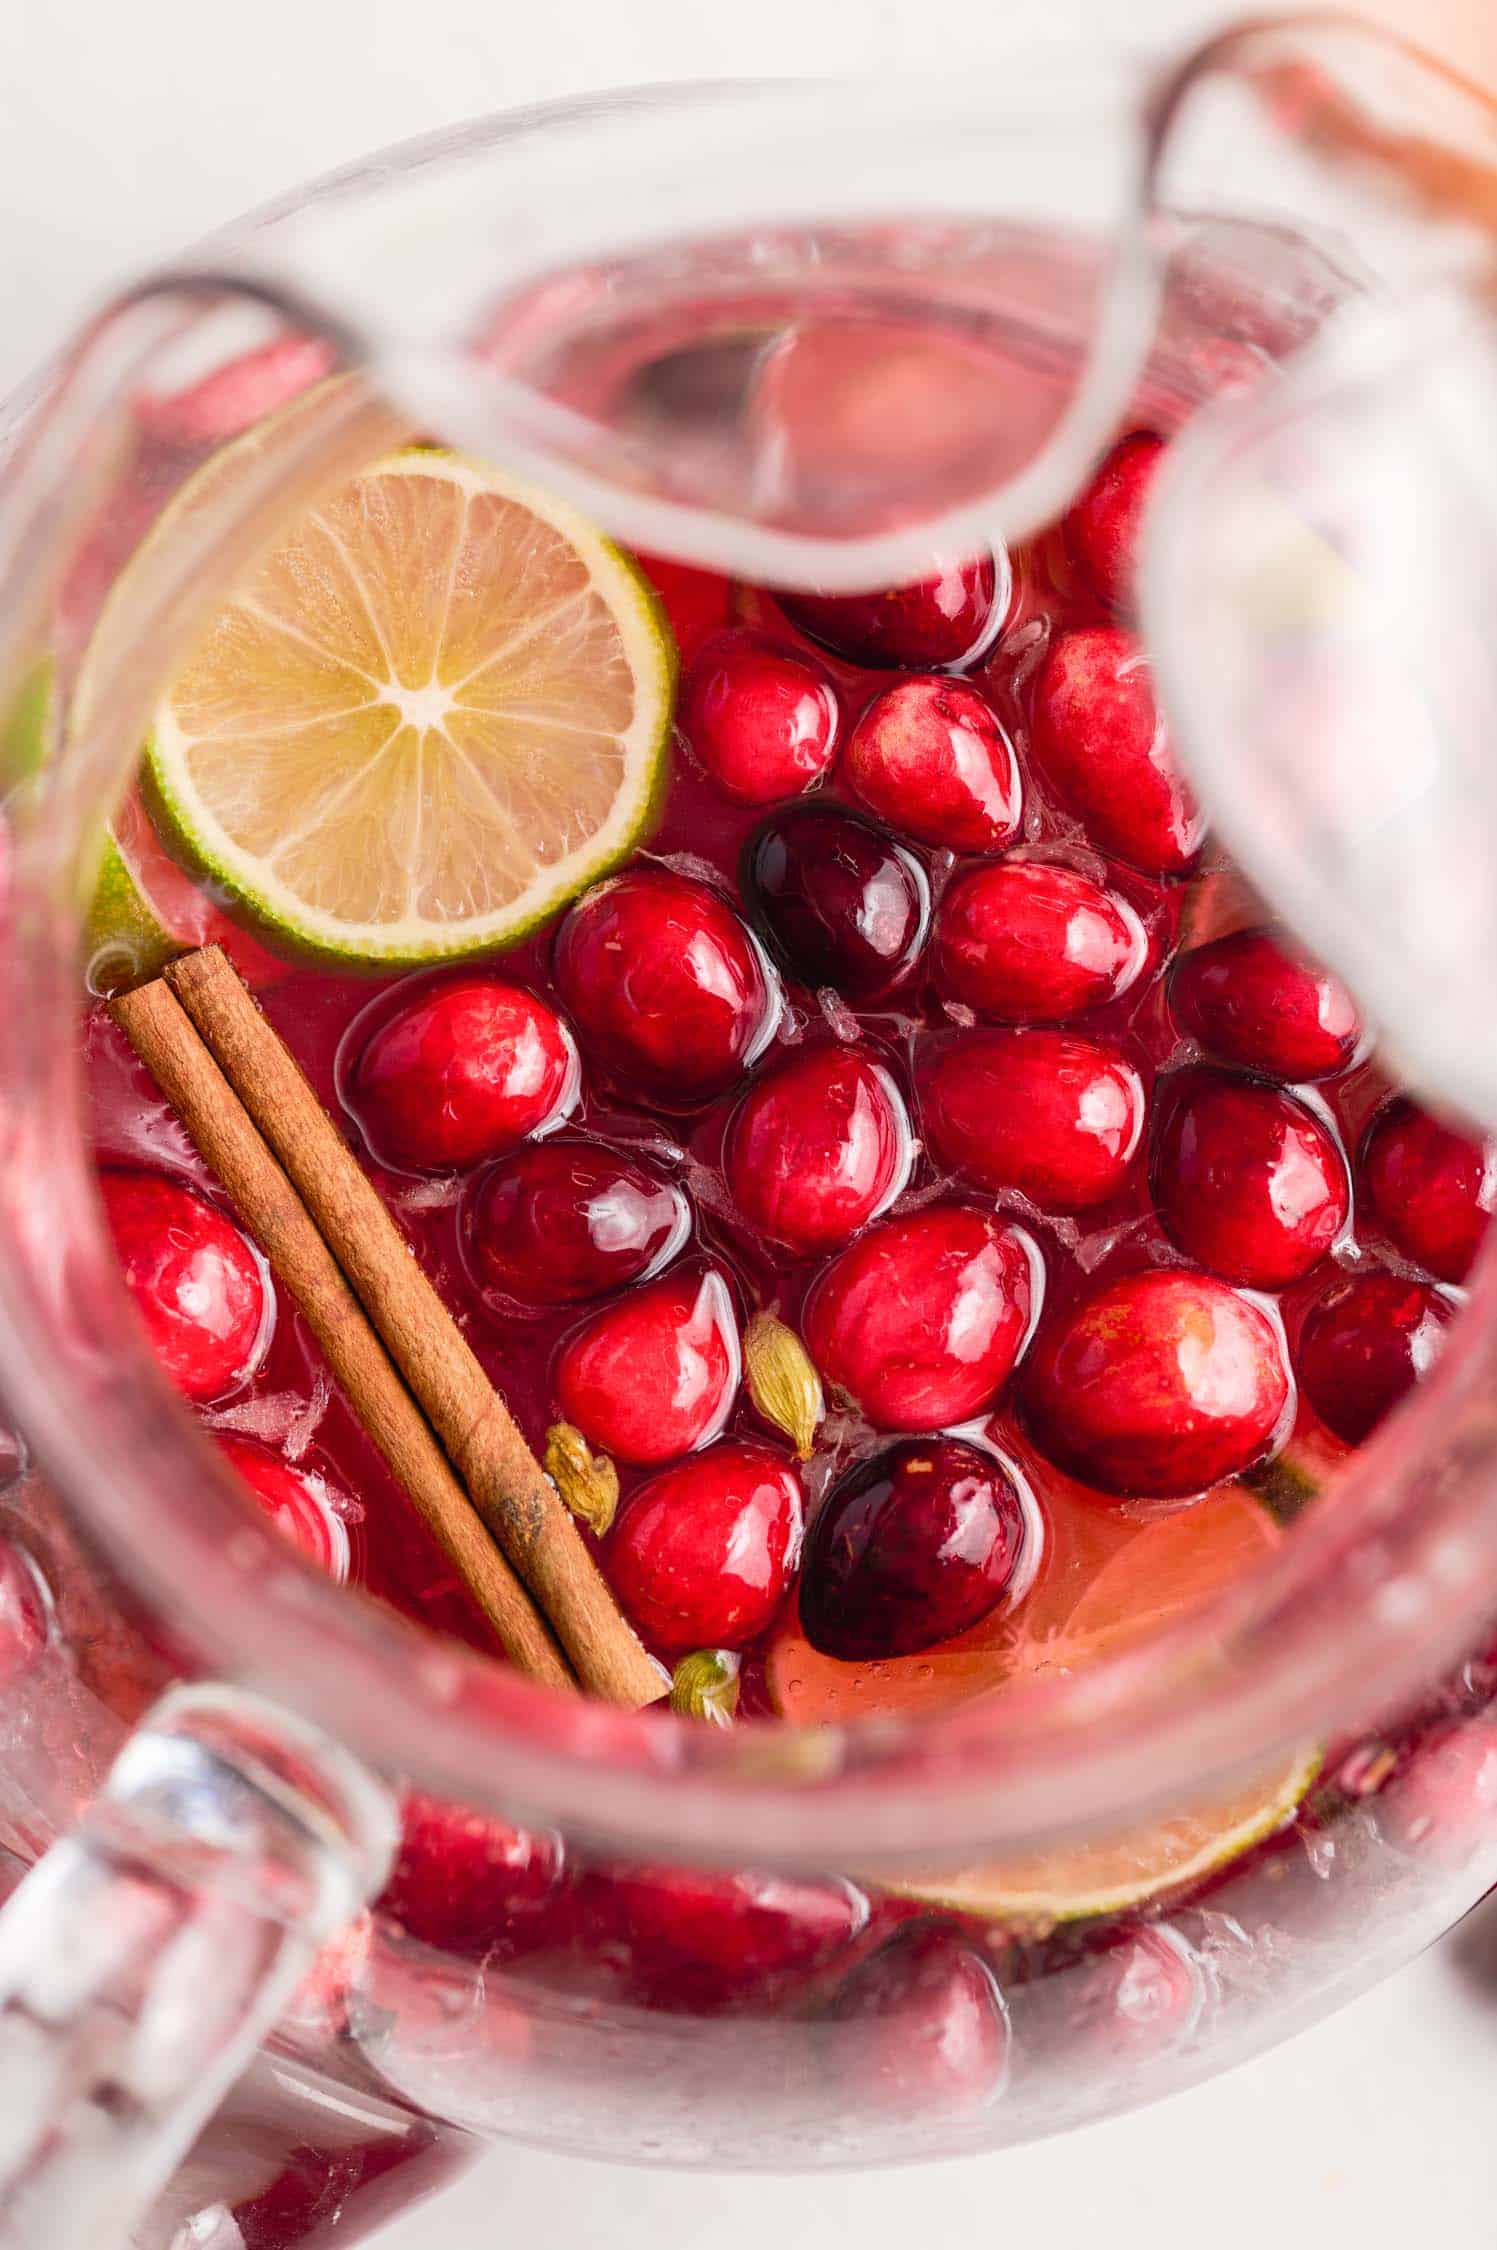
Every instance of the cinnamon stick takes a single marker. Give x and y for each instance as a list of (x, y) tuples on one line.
[(168, 1043), (509, 1487)]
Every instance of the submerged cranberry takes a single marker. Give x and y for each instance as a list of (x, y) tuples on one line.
[(818, 1148), (196, 1282), (297, 1502), (910, 1548), (25, 1613), (929, 757), (468, 1883), (561, 1221), (665, 983), (1156, 1385), (920, 2027), (761, 719), (1444, 1802), (1430, 1186), (1246, 1179), (702, 1554), (1051, 1113), (1252, 1003), (1134, 1995), (1030, 941), (839, 902), (940, 621), (1105, 749), (237, 395), (922, 1320), (463, 1070), (694, 1935), (1102, 527), (654, 1375), (1365, 1343)]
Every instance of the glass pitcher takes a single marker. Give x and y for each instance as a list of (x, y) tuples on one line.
[(805, 338)]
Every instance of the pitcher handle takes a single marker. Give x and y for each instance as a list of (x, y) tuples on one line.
[(146, 1957)]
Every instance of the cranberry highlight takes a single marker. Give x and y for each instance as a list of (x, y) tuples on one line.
[(922, 1321), (703, 1553), (664, 983), (762, 719), (837, 900), (655, 1374), (463, 1070), (818, 1148), (909, 1549), (561, 1221), (1156, 1385), (930, 757), (196, 1282)]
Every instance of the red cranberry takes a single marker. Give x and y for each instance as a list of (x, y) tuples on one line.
[(922, 1320), (197, 1283), (702, 1554), (463, 1070), (696, 1936), (1135, 1995), (1053, 1114), (1247, 1180), (561, 1221), (762, 720), (921, 2026), (818, 1148), (929, 757), (236, 396), (1157, 1385), (297, 1503), (1365, 1343), (1431, 1187), (940, 621), (1444, 1802), (1033, 942), (654, 1375), (665, 983), (910, 1548), (839, 902), (469, 1883), (1102, 528), (1104, 748), (1253, 1004)]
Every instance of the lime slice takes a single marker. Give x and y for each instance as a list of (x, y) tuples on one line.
[(438, 710)]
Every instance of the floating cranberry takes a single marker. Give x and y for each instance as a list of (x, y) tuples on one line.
[(1136, 1994), (702, 1554), (1051, 1113), (654, 1375), (665, 983), (561, 1221), (469, 1883), (696, 1937), (920, 2028), (1365, 1343), (922, 1320), (196, 1282), (1431, 1187), (1443, 1803), (839, 901), (1103, 525), (910, 1548), (1034, 942), (463, 1070), (934, 624), (297, 1503), (1246, 1179), (1252, 1003), (929, 756), (1105, 750), (1156, 1385), (762, 720), (818, 1148)]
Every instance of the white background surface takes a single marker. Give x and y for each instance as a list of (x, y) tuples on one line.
[(125, 131)]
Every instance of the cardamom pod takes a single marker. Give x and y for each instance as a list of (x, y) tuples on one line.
[(588, 1482), (782, 1381)]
